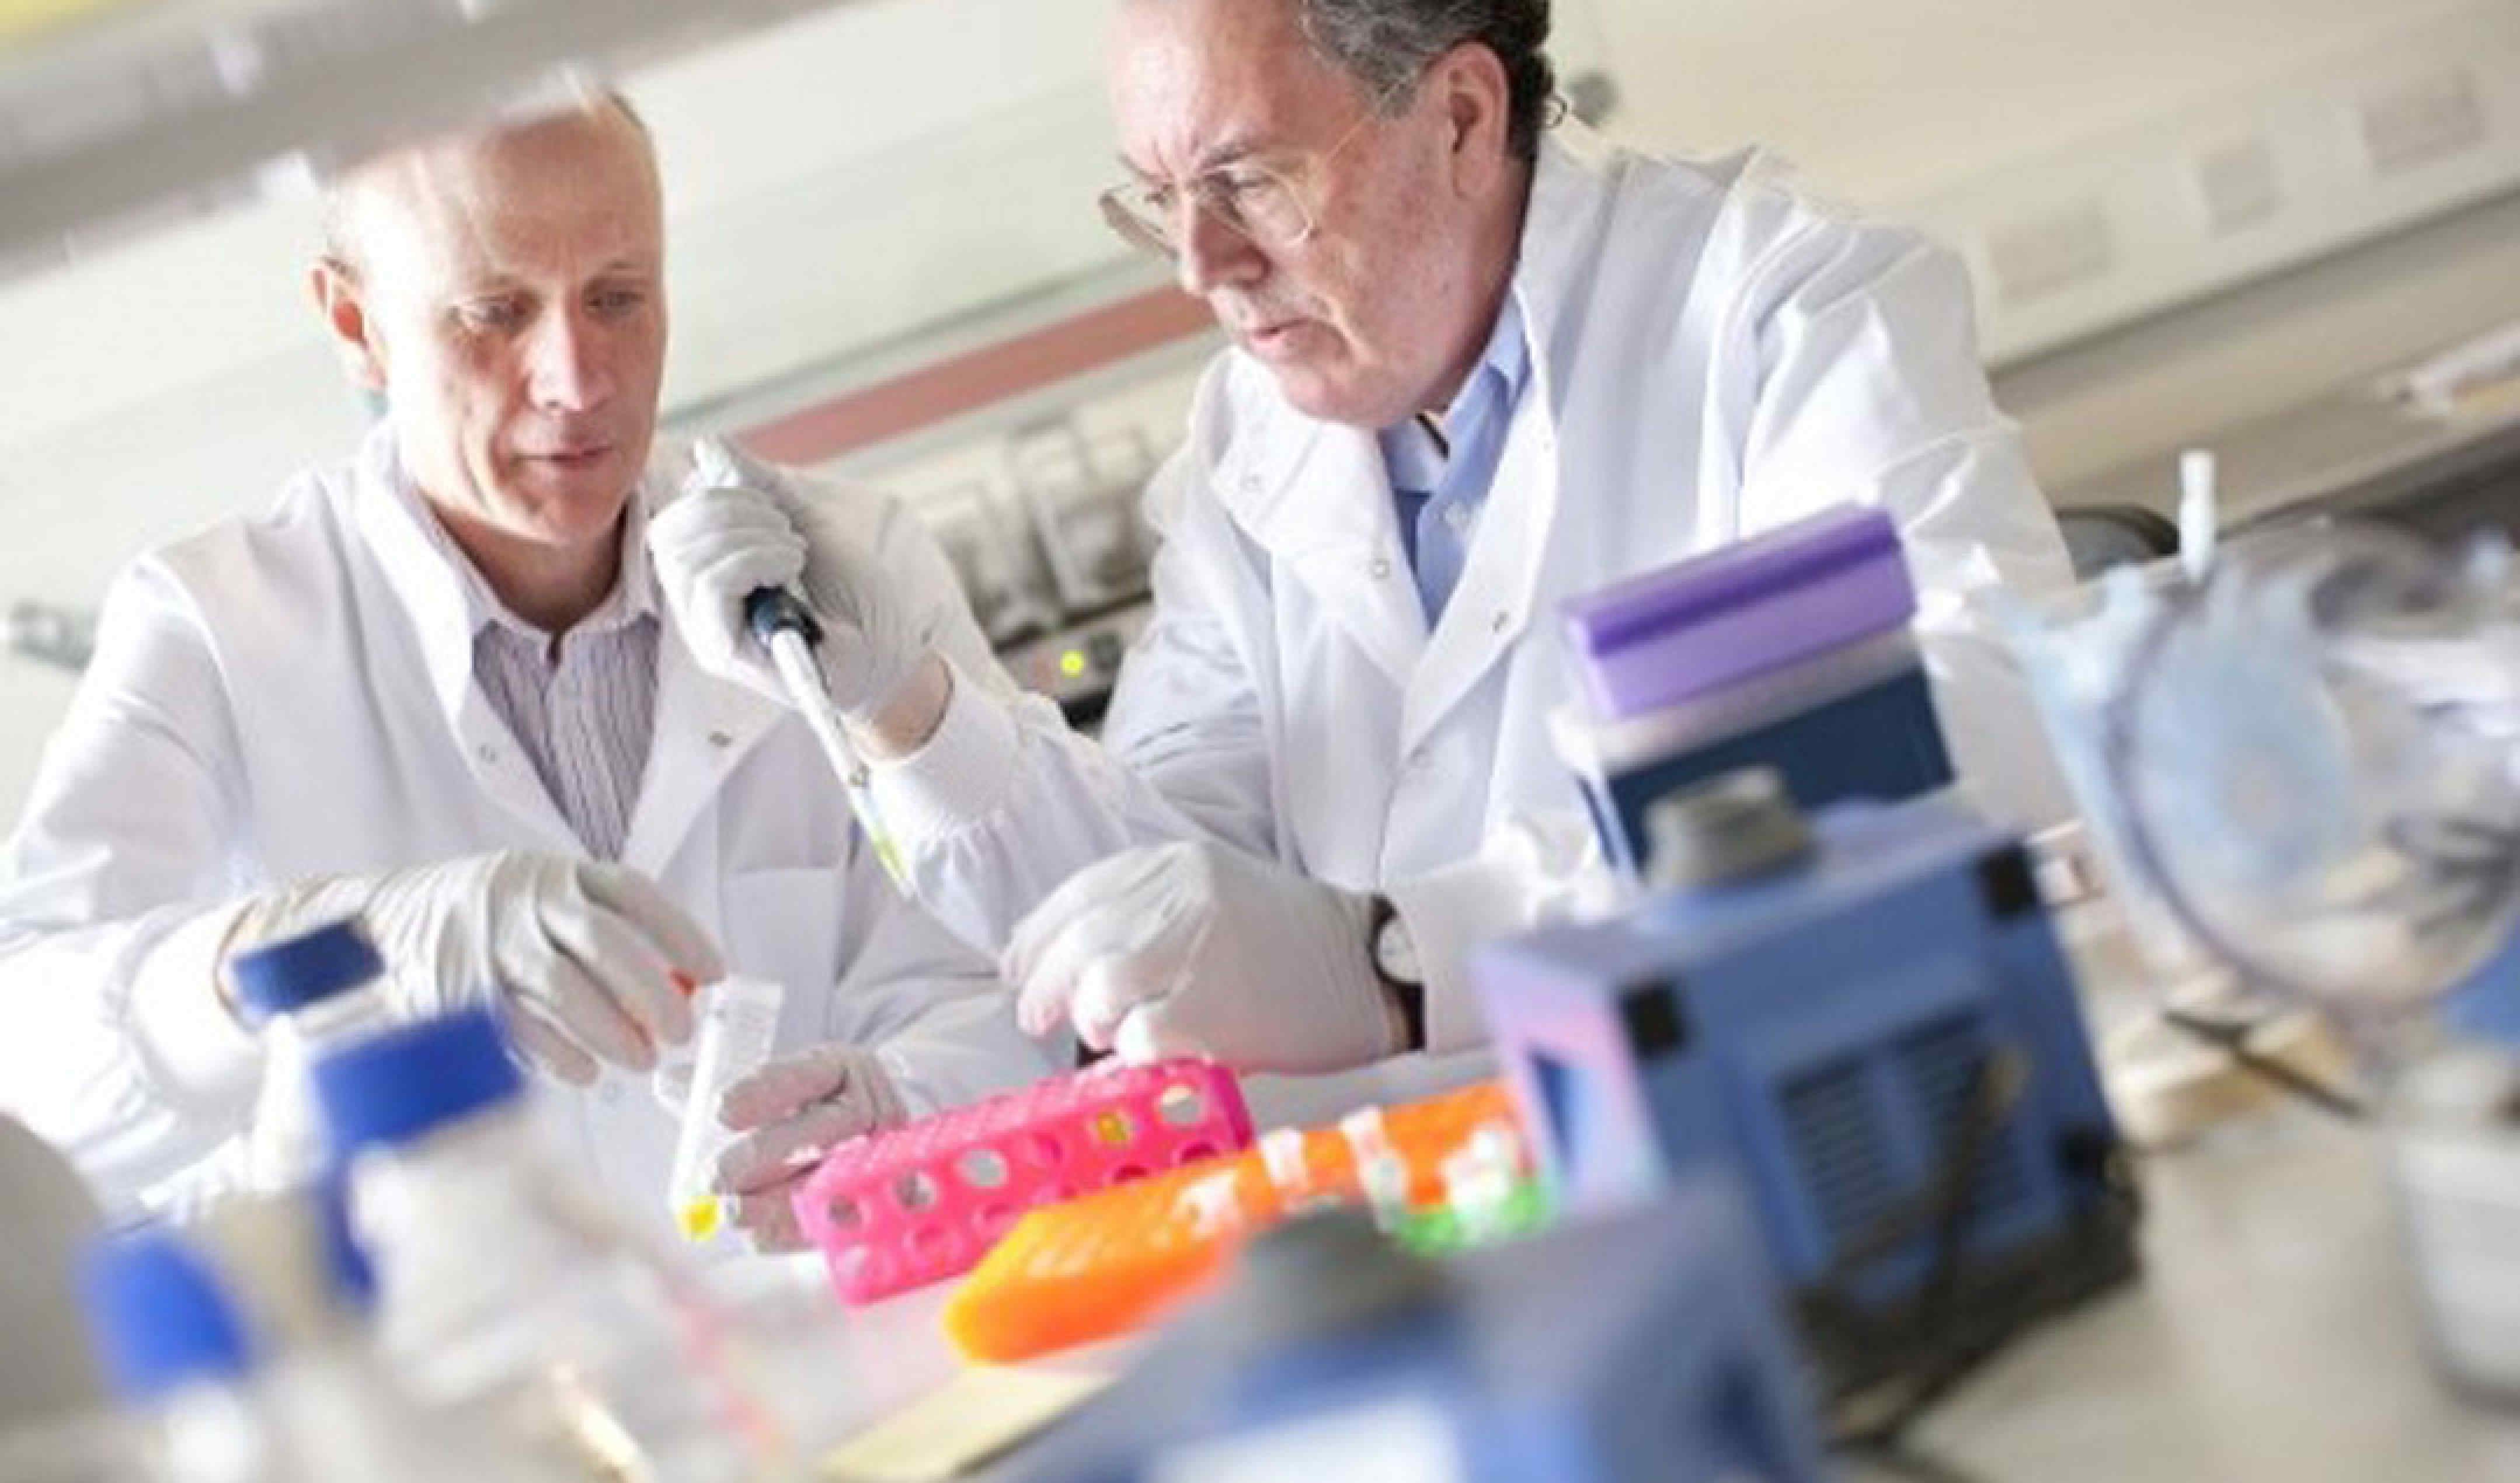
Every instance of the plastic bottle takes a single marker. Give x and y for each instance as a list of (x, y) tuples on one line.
[(507, 1295), (57, 1424), (738, 1029), (311, 994), (262, 1377)]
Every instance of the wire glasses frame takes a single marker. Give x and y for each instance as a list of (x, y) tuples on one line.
[(1260, 203)]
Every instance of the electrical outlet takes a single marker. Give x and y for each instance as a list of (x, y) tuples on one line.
[(2037, 256), (2239, 184), (2417, 122)]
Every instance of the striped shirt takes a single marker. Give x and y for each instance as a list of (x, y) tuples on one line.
[(583, 705), (584, 708)]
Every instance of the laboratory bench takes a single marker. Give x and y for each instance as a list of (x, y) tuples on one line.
[(2272, 1335)]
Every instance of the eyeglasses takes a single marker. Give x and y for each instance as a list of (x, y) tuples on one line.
[(1261, 203)]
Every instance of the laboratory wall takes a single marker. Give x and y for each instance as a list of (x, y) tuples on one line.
[(882, 182)]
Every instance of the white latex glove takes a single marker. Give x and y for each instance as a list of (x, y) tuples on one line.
[(792, 1112), (1193, 949), (581, 958), (738, 527)]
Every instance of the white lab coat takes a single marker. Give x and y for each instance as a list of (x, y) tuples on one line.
[(292, 695), (1712, 355)]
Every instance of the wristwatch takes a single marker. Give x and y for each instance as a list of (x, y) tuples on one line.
[(1394, 954)]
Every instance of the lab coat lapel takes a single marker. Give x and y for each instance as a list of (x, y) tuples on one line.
[(1491, 606), (430, 592), (705, 729), (1315, 496)]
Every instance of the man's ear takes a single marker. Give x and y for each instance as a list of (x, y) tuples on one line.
[(1478, 103), (341, 300)]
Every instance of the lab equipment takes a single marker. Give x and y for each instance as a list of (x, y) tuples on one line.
[(47, 1217), (1867, 1018), (1082, 493), (2456, 1164), (2200, 513), (783, 624), (506, 1294), (242, 1342), (738, 1029), (117, 118), (787, 628), (2309, 759), (1790, 650), (906, 1206), (1434, 1172), (1643, 1345), (310, 994), (997, 563), (64, 638)]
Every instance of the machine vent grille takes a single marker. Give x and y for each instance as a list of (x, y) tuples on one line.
[(1842, 1148), (1936, 1065)]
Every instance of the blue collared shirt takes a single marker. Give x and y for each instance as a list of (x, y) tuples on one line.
[(1440, 492)]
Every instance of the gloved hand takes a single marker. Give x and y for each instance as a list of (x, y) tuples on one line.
[(580, 957), (793, 1111), (1195, 949), (738, 527)]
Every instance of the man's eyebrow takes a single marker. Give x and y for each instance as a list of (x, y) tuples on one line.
[(1216, 156), (486, 280)]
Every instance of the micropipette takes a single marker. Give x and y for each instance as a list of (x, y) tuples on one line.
[(788, 630)]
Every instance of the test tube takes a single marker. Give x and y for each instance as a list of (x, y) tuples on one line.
[(738, 1028)]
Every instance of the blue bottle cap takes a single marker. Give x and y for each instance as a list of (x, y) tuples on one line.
[(411, 1080), (159, 1319), (294, 973)]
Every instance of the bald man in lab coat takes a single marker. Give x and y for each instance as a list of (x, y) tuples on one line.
[(436, 685)]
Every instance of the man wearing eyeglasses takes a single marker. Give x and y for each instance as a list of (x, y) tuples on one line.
[(1479, 366)]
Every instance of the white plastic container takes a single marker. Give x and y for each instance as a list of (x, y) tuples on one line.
[(737, 1031), (245, 1354), (312, 995), (507, 1295), (2457, 1164)]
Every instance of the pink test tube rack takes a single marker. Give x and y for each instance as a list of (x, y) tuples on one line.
[(911, 1205)]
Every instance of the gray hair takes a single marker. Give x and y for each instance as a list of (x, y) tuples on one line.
[(1384, 43)]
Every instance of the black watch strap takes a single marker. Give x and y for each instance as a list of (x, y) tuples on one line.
[(1408, 994)]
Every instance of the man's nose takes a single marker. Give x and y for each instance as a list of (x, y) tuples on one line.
[(570, 367), (1212, 254)]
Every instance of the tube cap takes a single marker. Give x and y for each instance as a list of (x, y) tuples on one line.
[(294, 973), (410, 1080), (159, 1319), (1731, 827)]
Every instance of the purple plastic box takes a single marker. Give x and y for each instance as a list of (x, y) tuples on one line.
[(1711, 622)]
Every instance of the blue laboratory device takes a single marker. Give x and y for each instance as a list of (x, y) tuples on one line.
[(1867, 1019), (1788, 649), (1643, 1345)]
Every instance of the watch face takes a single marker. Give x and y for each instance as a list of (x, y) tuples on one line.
[(1395, 953)]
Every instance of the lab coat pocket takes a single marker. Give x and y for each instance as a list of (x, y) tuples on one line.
[(786, 925)]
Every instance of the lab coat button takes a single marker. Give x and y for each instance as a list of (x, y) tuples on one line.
[(1502, 621), (1457, 516), (488, 754), (1381, 567), (721, 738)]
